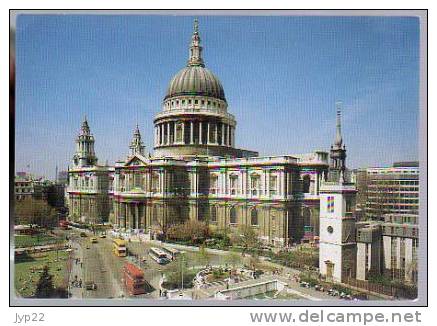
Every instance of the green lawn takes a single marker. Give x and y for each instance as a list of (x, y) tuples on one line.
[(27, 271), (22, 241)]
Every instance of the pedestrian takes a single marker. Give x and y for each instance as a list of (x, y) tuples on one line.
[(160, 293), (81, 264), (80, 283)]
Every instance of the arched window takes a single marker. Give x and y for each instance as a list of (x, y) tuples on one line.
[(213, 214), (306, 184), (254, 217), (233, 215)]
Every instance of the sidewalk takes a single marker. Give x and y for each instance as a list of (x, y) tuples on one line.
[(76, 293)]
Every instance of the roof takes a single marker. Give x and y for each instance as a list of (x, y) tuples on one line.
[(196, 80), (133, 270)]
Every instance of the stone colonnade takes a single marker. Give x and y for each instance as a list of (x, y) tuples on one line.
[(194, 132)]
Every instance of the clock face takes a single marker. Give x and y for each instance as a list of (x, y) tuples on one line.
[(330, 229)]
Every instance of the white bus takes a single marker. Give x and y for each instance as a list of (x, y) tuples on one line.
[(159, 256), (171, 252)]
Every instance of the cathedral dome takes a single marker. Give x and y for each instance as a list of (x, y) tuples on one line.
[(195, 80)]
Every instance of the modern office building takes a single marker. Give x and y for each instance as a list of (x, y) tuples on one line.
[(388, 190)]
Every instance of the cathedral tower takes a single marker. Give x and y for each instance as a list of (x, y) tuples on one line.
[(136, 146), (85, 155), (337, 155)]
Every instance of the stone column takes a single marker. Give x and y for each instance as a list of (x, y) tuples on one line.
[(162, 134), (154, 135), (161, 181), (216, 134), (137, 217), (223, 135), (191, 132), (228, 127), (200, 132), (168, 133), (174, 131), (183, 132), (125, 215), (207, 135)]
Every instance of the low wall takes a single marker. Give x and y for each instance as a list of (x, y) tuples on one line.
[(242, 292)]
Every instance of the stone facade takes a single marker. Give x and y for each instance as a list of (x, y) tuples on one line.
[(196, 172)]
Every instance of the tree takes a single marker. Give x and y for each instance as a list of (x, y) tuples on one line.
[(254, 261), (233, 258), (45, 287), (178, 273), (247, 238), (35, 211), (190, 230), (203, 256)]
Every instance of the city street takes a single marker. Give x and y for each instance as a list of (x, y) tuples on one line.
[(98, 264)]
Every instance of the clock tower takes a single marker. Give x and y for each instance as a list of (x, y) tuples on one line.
[(337, 250)]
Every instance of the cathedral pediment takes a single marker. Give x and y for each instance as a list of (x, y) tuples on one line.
[(137, 160)]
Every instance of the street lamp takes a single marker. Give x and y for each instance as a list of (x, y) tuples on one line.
[(182, 269)]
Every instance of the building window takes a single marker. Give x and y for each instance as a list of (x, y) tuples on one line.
[(306, 181), (155, 182), (254, 184), (138, 180), (273, 183), (234, 184), (254, 217), (233, 215), (214, 184), (213, 214)]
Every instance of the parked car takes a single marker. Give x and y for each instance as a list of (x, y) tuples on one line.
[(93, 240), (83, 235)]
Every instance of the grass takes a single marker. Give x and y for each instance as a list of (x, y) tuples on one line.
[(22, 241), (29, 268)]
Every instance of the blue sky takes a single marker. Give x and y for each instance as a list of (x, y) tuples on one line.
[(281, 76)]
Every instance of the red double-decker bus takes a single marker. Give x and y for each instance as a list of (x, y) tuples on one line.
[(134, 279)]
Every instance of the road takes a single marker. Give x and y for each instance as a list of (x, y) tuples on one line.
[(101, 266)]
